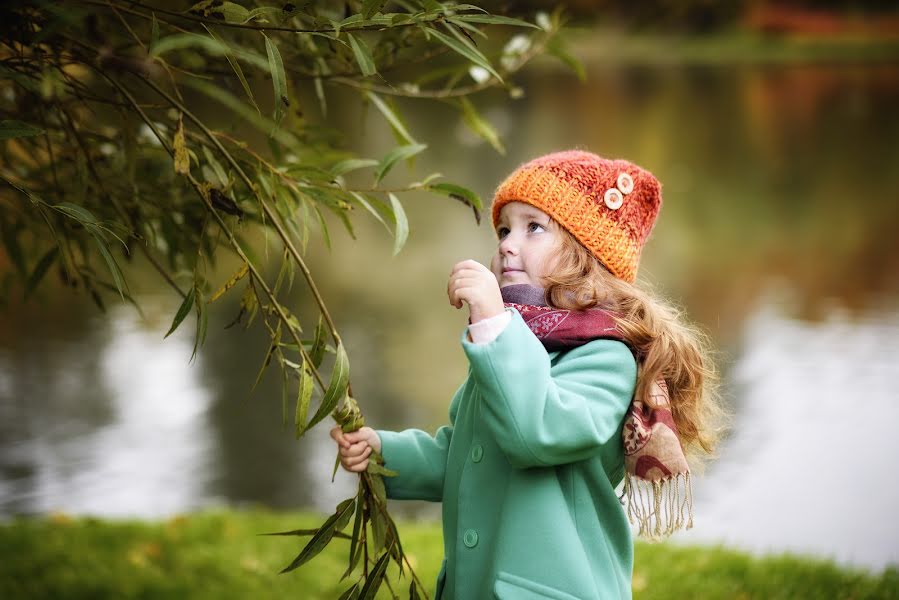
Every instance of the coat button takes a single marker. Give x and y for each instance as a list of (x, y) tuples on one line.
[(477, 453), (470, 538)]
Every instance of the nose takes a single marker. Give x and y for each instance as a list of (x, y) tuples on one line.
[(507, 246)]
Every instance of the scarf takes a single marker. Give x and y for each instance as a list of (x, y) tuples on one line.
[(657, 476)]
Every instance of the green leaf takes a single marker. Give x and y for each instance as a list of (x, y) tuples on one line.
[(372, 7), (494, 20), (480, 126), (279, 79), (363, 55), (358, 526), (79, 213), (352, 164), (394, 156), (323, 225), (154, 35), (10, 128), (340, 377), (264, 124), (40, 270), (233, 12), (351, 593), (402, 224), (375, 578), (117, 276), (466, 49), (304, 397), (556, 48), (180, 41), (183, 310), (464, 195), (235, 66), (324, 535), (202, 323), (391, 116), (317, 353), (368, 206), (376, 469)]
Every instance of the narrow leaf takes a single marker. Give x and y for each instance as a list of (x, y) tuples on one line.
[(179, 146), (350, 593), (394, 156), (117, 276), (40, 270), (376, 469), (336, 388), (154, 35), (323, 536), (363, 55), (372, 7), (402, 224), (15, 129), (352, 164), (317, 353), (464, 195), (240, 274), (184, 309), (279, 78), (494, 20), (480, 126), (391, 116), (375, 578), (304, 396), (467, 50)]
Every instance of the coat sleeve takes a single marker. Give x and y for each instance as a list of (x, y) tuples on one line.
[(419, 460), (541, 414)]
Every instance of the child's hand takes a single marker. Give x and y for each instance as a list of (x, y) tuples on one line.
[(475, 284), (354, 447)]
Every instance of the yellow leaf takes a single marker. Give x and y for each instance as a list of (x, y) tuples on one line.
[(182, 158)]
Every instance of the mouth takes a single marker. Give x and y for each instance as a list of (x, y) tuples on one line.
[(507, 270)]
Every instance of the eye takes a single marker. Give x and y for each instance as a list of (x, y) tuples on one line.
[(502, 232), (533, 224)]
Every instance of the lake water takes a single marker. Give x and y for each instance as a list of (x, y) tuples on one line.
[(777, 236)]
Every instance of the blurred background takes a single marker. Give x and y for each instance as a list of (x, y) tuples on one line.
[(772, 127)]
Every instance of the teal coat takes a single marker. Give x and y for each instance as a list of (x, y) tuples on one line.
[(527, 471)]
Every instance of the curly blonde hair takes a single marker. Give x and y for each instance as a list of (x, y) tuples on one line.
[(664, 344)]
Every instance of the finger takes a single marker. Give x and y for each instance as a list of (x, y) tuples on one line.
[(357, 448), (360, 468), (339, 437), (355, 460), (468, 264)]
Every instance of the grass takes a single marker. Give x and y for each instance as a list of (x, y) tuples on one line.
[(219, 555)]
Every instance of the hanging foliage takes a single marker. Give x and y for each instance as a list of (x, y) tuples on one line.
[(112, 143)]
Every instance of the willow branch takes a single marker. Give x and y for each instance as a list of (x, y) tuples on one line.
[(188, 17), (223, 227), (265, 207)]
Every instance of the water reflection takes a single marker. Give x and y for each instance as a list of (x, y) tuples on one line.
[(810, 467)]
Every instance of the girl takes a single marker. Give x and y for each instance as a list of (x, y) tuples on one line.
[(578, 380)]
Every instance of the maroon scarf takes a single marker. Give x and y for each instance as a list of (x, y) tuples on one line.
[(657, 476)]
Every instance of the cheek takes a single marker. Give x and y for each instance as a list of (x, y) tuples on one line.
[(495, 265)]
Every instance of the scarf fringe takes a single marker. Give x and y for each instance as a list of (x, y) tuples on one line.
[(659, 507)]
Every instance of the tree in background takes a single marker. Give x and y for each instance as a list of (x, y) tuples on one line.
[(175, 132)]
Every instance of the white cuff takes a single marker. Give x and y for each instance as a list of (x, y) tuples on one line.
[(488, 330)]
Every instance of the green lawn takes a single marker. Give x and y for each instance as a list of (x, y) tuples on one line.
[(219, 555)]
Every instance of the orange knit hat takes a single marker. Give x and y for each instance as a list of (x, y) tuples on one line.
[(610, 206)]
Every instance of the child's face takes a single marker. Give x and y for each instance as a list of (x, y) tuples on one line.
[(528, 243)]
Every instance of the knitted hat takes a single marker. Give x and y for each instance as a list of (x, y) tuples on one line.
[(609, 206)]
